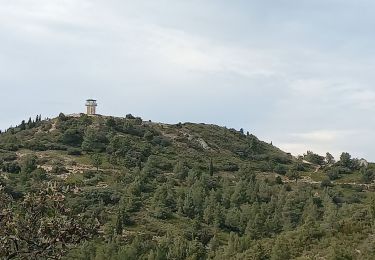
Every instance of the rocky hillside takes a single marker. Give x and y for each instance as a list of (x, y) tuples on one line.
[(80, 187)]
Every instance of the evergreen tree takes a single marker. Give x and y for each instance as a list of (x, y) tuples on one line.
[(371, 209), (210, 206), (280, 250), (214, 243), (96, 160), (23, 125), (181, 170), (151, 255), (29, 164), (330, 213), (30, 123), (329, 159), (119, 223), (345, 160), (293, 175), (94, 141), (211, 168), (310, 211), (163, 202)]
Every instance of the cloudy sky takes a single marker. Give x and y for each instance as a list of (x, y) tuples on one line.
[(299, 73)]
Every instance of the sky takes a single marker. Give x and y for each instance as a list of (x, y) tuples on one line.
[(299, 73)]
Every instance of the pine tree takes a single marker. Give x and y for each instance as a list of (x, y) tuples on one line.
[(151, 255), (233, 244), (214, 243), (211, 168), (280, 250), (310, 211), (96, 160), (371, 208), (119, 223), (29, 123), (139, 164), (188, 206), (23, 125), (330, 212), (209, 211), (181, 170), (329, 159)]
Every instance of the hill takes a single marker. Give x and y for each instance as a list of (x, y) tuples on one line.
[(97, 187)]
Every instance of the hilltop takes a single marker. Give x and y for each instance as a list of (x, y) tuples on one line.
[(130, 142), (99, 187)]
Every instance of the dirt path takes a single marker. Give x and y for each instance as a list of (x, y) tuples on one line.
[(307, 179)]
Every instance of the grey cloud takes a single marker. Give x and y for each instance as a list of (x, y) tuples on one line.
[(275, 68)]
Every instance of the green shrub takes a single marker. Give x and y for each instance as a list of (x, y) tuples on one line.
[(160, 140), (72, 137), (368, 175), (11, 167), (107, 196), (326, 183), (280, 169), (88, 174), (59, 168), (39, 174), (6, 156), (55, 146), (29, 163), (74, 151), (35, 145), (333, 174), (314, 158), (229, 167)]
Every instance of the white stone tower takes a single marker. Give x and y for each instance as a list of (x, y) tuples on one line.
[(91, 106)]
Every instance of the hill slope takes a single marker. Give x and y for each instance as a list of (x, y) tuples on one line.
[(120, 188)]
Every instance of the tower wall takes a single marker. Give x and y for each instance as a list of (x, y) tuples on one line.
[(91, 107), (91, 110)]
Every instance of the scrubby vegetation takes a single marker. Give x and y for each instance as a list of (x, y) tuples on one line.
[(112, 188)]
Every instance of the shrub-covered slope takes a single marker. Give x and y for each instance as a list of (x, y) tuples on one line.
[(80, 187)]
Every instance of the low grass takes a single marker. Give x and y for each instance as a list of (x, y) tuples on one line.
[(317, 176), (355, 177)]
